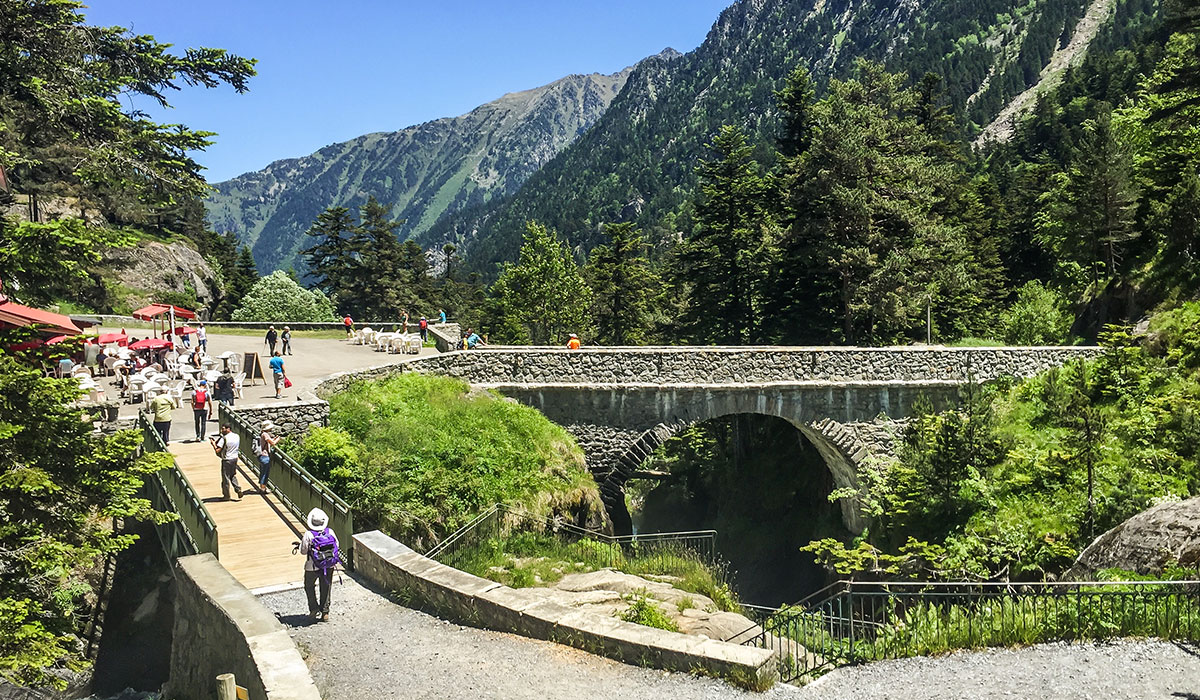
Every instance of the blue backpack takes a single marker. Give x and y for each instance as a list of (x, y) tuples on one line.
[(324, 550)]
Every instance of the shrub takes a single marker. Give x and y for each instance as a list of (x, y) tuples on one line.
[(1038, 317), (278, 297), (644, 612)]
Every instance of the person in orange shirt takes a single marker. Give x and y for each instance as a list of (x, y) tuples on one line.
[(573, 343)]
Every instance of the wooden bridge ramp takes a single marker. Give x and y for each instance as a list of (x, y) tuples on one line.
[(254, 534)]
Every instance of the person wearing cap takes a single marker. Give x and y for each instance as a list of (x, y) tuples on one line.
[(286, 337), (224, 390), (266, 440), (201, 408), (318, 524), (573, 343)]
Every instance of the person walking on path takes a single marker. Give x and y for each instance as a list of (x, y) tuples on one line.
[(573, 343), (266, 441), (201, 337), (201, 408), (271, 338), (161, 407), (349, 324), (224, 389), (287, 340), (280, 376), (320, 549), (226, 448), (423, 324)]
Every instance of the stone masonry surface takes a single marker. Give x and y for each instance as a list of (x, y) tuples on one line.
[(290, 419), (662, 366), (461, 596), (221, 628)]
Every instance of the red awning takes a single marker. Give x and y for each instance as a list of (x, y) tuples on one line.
[(147, 313), (15, 315)]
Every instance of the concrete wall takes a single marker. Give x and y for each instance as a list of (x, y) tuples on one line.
[(446, 336), (221, 628), (290, 418), (476, 601)]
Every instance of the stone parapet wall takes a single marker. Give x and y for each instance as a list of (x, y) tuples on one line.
[(293, 418), (742, 365), (220, 627), (469, 599)]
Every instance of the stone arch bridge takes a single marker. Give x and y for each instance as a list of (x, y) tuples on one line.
[(622, 403)]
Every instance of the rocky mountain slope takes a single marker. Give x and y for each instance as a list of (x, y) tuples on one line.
[(424, 170), (637, 163)]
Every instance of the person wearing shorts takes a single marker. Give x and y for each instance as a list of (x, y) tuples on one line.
[(280, 376)]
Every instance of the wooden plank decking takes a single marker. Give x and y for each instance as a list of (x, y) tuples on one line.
[(254, 534)]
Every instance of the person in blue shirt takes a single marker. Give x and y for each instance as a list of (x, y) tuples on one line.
[(441, 316), (280, 377), (474, 341)]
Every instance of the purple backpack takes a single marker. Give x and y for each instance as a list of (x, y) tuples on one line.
[(324, 550)]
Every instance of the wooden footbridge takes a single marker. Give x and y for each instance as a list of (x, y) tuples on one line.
[(252, 537)]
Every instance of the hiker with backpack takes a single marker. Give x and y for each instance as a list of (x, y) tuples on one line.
[(201, 409), (320, 550)]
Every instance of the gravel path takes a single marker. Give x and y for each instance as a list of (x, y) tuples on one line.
[(372, 647), (1112, 671)]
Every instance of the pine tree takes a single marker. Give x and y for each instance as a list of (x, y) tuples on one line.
[(375, 289), (864, 235), (542, 297), (722, 263), (623, 286), (330, 260)]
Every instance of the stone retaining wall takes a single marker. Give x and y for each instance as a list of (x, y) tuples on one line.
[(289, 418), (469, 599), (220, 627)]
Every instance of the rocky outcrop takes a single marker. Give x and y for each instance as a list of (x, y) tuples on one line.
[(161, 267), (1168, 533)]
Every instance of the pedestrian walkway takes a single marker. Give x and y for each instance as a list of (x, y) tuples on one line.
[(255, 534)]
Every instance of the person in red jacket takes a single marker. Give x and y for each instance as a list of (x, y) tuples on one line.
[(573, 343), (349, 324), (201, 408)]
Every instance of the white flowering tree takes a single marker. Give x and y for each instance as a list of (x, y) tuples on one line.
[(277, 297)]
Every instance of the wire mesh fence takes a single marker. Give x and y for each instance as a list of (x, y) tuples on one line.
[(852, 622)]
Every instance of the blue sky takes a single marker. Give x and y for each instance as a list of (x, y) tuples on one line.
[(330, 71)]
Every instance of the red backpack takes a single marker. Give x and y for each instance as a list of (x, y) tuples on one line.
[(199, 399)]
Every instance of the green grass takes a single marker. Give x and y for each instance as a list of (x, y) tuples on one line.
[(922, 629), (526, 559), (644, 612), (419, 456)]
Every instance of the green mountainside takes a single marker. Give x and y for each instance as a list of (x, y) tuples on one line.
[(422, 171), (638, 162)]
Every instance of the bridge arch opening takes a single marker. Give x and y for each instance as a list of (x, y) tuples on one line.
[(762, 482)]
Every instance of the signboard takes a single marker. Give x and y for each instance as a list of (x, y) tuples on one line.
[(252, 368)]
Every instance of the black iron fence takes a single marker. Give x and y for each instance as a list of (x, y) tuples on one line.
[(852, 622), (658, 551), (295, 488), (168, 490)]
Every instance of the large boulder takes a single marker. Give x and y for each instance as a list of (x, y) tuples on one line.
[(1165, 534)]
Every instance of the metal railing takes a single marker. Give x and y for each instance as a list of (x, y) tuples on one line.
[(195, 532), (852, 622), (605, 551), (298, 490)]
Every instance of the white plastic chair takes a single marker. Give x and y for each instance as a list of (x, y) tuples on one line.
[(238, 379)]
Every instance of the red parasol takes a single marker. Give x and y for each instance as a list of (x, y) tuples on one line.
[(150, 344), (119, 338), (60, 338), (184, 330)]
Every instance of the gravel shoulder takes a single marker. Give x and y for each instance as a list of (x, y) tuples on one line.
[(372, 647), (1141, 669)]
